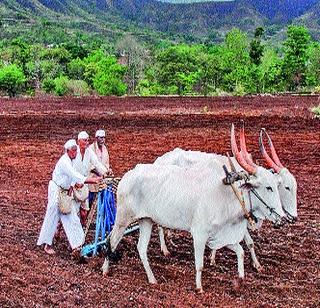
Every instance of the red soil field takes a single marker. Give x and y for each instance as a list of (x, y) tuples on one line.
[(32, 133)]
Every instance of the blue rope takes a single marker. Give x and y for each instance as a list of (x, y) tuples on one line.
[(106, 213)]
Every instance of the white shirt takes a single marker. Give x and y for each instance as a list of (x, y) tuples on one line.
[(102, 154), (89, 160), (65, 175)]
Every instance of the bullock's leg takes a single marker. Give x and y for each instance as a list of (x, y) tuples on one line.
[(123, 220), (163, 245), (199, 243), (145, 226), (249, 242), (240, 257), (213, 257)]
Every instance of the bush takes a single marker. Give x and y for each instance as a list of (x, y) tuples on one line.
[(48, 85), (316, 90), (77, 88), (316, 111), (239, 90), (61, 85), (12, 79)]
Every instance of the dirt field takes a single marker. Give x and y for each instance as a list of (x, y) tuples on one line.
[(32, 133)]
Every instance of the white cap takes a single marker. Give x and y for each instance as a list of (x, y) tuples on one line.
[(100, 133), (69, 144), (83, 135)]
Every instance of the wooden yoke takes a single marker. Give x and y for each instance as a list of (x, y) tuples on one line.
[(230, 179)]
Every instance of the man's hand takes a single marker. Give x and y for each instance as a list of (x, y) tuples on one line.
[(98, 179), (78, 185)]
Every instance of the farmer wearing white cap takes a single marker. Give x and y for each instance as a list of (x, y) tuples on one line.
[(85, 161), (99, 147), (64, 177)]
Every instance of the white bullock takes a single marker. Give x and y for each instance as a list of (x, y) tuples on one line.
[(287, 185), (193, 199)]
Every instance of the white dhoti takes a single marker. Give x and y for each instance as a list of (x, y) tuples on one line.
[(71, 222)]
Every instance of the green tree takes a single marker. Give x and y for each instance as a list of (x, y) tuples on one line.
[(104, 74), (270, 72), (11, 79), (313, 65), (178, 68), (296, 56), (237, 66), (135, 57), (256, 47)]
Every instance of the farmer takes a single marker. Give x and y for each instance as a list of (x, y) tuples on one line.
[(64, 177), (85, 161), (100, 149)]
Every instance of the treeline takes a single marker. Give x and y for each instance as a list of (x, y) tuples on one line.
[(237, 66)]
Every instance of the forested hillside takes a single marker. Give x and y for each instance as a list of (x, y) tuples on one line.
[(191, 22), (70, 47)]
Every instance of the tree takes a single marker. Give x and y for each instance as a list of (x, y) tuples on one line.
[(296, 56), (11, 79), (270, 72), (237, 66), (313, 65), (104, 74), (178, 68), (135, 58), (256, 48)]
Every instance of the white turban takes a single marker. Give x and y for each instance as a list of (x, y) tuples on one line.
[(83, 135), (69, 144), (100, 133)]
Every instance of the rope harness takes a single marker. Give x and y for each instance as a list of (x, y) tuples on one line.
[(230, 179)]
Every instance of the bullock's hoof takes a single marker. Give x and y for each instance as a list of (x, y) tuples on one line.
[(259, 268), (153, 281), (105, 267), (237, 284), (199, 291), (115, 256), (166, 253), (213, 263)]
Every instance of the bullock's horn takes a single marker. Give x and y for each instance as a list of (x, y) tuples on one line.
[(233, 168), (240, 159), (243, 147), (273, 150), (265, 155)]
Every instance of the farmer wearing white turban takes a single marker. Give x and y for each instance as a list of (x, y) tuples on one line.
[(64, 177), (85, 161)]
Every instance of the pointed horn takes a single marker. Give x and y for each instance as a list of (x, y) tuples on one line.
[(243, 147), (273, 150), (238, 155), (265, 155), (233, 168)]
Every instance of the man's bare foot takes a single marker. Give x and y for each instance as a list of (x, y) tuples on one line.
[(49, 250)]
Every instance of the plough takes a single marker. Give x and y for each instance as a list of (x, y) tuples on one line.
[(104, 205)]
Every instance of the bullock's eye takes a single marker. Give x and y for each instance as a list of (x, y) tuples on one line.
[(269, 188), (287, 188)]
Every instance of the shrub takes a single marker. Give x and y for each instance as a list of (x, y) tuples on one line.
[(317, 90), (316, 111), (77, 88), (11, 79), (239, 90), (61, 85), (48, 85)]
